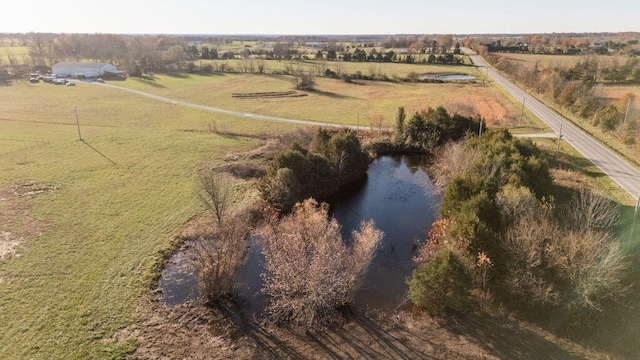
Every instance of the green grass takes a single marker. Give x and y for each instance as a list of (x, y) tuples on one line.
[(74, 287), (334, 101)]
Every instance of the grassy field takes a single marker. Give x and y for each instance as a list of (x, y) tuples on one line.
[(68, 291), (333, 101), (391, 70), (568, 61)]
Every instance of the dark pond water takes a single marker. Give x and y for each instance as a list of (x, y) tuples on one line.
[(397, 195), (400, 198)]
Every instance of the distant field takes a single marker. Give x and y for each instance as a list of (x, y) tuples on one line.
[(334, 100), (391, 70), (529, 60)]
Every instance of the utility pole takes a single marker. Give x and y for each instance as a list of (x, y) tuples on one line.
[(524, 99), (358, 126), (77, 122), (480, 131), (559, 138)]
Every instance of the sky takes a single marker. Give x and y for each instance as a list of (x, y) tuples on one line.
[(299, 17)]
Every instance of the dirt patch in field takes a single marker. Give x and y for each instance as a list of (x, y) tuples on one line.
[(17, 224)]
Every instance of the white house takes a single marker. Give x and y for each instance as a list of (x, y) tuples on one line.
[(83, 70)]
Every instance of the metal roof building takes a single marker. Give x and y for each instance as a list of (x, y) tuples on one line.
[(83, 69)]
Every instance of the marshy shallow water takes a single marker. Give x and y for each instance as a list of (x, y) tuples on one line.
[(397, 194)]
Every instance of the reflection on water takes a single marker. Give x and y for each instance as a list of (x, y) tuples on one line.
[(397, 195), (402, 202), (179, 280)]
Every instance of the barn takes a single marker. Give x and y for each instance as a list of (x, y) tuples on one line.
[(85, 70)]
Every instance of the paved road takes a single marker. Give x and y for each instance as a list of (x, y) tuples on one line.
[(618, 169), (228, 112)]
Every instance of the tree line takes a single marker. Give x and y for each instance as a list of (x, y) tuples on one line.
[(138, 54)]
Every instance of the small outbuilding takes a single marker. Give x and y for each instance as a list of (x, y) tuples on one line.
[(85, 70)]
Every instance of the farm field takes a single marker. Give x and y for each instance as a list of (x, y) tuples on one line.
[(391, 70), (91, 220), (559, 60), (333, 101)]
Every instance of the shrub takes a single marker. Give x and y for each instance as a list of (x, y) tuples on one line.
[(441, 284), (297, 174), (309, 271), (333, 160), (218, 253)]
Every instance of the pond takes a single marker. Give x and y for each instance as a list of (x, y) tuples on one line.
[(397, 194)]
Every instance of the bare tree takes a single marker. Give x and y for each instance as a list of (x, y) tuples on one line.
[(376, 120), (217, 193), (304, 80), (526, 243), (593, 262), (309, 271), (588, 210), (218, 253), (452, 159), (261, 64), (578, 266)]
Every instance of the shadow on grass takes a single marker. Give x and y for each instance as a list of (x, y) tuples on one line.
[(149, 81), (576, 163), (179, 75), (5, 80), (505, 338), (329, 94), (364, 338), (369, 341), (98, 151)]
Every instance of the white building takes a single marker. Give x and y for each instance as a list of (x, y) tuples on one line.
[(83, 70)]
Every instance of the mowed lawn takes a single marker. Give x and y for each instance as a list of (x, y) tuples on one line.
[(67, 292), (332, 101)]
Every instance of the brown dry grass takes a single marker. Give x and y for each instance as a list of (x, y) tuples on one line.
[(192, 331)]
